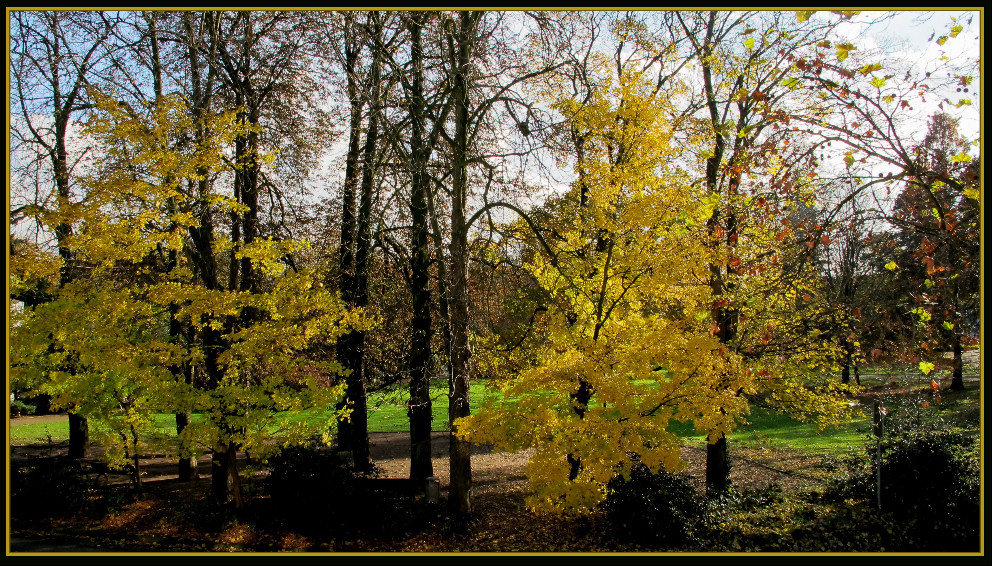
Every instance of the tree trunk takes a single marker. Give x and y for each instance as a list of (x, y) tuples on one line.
[(460, 494), (346, 255), (219, 473), (181, 372), (202, 235), (845, 372), (580, 400), (79, 430), (717, 466), (356, 393), (420, 409), (187, 464), (957, 377), (717, 456), (79, 436)]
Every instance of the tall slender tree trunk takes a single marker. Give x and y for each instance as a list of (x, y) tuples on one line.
[(460, 494), (79, 430), (356, 393), (420, 410), (583, 393), (346, 254), (717, 454), (180, 372), (184, 373), (202, 236)]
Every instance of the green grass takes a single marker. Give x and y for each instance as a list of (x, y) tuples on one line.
[(24, 432), (386, 410), (766, 427), (772, 429)]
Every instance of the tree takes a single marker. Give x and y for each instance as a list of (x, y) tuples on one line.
[(356, 244), (626, 352), (745, 101), (114, 324), (871, 107), (52, 58), (847, 268), (938, 254), (420, 410), (462, 46)]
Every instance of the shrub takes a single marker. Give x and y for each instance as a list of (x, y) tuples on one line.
[(310, 474), (18, 408), (47, 486), (317, 491), (929, 480), (661, 508)]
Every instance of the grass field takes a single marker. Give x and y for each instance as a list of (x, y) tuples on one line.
[(387, 413)]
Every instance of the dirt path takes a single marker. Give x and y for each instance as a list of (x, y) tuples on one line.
[(38, 419)]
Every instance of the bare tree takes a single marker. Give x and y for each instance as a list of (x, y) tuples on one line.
[(54, 57)]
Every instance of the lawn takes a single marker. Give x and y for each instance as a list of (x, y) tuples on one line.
[(31, 431), (387, 412)]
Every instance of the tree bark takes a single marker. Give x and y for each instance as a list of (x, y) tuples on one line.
[(180, 372), (717, 455), (717, 466), (420, 409), (957, 372), (346, 255), (202, 235), (79, 436), (845, 372), (355, 432), (460, 494)]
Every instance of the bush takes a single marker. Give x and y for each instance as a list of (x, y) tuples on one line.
[(931, 473), (47, 487), (310, 475), (661, 508), (18, 408), (316, 490), (929, 481)]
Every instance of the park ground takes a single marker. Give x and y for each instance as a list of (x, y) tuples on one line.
[(769, 479)]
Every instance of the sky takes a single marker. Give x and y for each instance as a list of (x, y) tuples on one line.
[(912, 36), (909, 36)]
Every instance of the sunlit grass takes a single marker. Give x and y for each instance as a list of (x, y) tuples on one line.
[(23, 431), (387, 410)]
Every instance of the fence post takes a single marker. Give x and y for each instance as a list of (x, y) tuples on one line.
[(433, 489), (878, 428)]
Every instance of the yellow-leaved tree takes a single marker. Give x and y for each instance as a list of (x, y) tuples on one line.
[(627, 345), (147, 241)]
